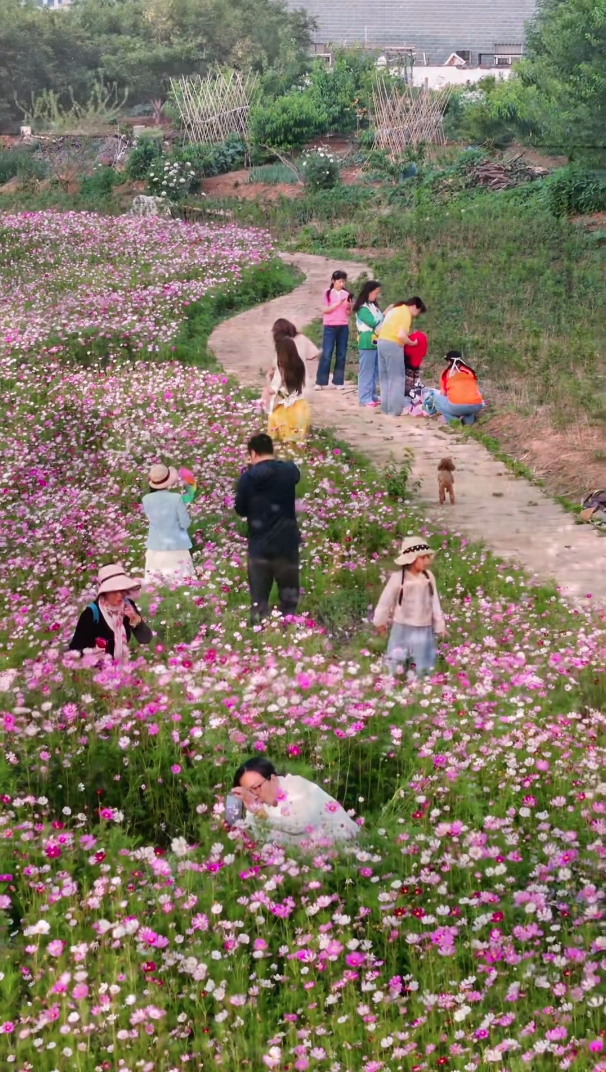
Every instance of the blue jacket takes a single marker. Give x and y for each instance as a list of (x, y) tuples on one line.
[(168, 521)]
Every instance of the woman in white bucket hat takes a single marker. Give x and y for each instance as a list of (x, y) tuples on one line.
[(410, 602), (108, 622), (167, 557)]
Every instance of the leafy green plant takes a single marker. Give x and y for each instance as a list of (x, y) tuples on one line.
[(287, 123), (397, 478), (320, 169), (21, 164), (100, 184), (574, 190), (145, 153)]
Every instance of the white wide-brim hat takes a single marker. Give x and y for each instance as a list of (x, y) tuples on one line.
[(114, 579), (412, 548), (162, 477)]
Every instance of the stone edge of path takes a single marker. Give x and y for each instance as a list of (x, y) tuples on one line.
[(513, 518)]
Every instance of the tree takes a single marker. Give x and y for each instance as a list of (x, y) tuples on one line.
[(138, 44), (566, 66)]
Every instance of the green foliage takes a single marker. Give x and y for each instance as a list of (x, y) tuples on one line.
[(574, 190), (102, 108), (341, 92), (255, 286), (274, 174), (20, 163), (494, 112), (139, 45), (566, 69), (170, 179), (320, 169), (287, 123), (208, 160), (145, 153), (99, 185)]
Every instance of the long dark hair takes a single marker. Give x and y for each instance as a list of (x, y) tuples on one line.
[(333, 279), (284, 327), (292, 368), (456, 355), (364, 294), (259, 765)]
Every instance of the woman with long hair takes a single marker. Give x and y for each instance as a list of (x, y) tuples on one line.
[(306, 349), (289, 415), (368, 320), (394, 335), (336, 309)]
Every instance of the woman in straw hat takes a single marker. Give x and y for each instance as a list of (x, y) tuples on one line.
[(108, 623), (410, 602), (167, 558)]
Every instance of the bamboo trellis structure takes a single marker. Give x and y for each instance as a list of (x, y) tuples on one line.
[(215, 106), (405, 116)]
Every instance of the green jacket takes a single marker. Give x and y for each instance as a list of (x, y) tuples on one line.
[(368, 319)]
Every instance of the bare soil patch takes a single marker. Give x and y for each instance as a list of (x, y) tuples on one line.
[(571, 461)]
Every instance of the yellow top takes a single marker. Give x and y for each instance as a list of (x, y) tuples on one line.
[(399, 319)]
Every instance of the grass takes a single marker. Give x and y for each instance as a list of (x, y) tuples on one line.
[(274, 174)]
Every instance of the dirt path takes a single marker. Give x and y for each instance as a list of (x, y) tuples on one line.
[(512, 517)]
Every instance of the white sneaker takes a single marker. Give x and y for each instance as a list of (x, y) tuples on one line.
[(318, 386), (339, 386)]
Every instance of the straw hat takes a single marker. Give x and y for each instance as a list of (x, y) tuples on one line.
[(114, 579), (412, 548), (162, 477)]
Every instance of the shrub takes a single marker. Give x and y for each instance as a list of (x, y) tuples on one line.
[(100, 184), (573, 189), (209, 160), (146, 152), (287, 123), (20, 163), (172, 179), (320, 169)]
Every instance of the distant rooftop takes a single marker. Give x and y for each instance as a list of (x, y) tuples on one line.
[(435, 28)]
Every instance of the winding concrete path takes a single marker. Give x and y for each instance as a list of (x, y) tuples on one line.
[(512, 517)]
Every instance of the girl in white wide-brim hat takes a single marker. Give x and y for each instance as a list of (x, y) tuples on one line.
[(410, 602), (167, 557)]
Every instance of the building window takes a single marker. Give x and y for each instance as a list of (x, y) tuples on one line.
[(464, 53)]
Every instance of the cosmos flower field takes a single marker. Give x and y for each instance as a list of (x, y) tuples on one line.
[(465, 930)]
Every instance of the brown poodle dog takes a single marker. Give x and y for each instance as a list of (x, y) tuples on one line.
[(446, 480)]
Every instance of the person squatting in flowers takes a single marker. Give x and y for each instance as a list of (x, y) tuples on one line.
[(108, 623), (410, 602), (265, 496), (288, 808)]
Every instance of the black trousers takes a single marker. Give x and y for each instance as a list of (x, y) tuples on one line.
[(262, 572)]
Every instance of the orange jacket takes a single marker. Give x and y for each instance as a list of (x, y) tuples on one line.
[(461, 387)]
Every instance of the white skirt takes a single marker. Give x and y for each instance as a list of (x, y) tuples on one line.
[(168, 567)]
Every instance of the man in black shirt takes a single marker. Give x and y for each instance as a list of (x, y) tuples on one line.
[(265, 496)]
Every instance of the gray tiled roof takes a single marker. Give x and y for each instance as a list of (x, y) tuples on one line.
[(436, 27)]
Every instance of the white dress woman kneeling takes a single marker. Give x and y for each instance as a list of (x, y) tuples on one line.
[(288, 808)]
